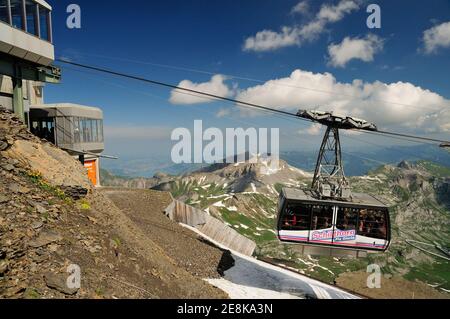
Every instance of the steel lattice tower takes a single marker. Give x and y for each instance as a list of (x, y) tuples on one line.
[(329, 178)]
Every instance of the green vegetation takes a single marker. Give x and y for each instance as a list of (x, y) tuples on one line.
[(278, 187), (84, 205), (31, 293), (117, 242), (435, 274), (435, 169), (38, 180)]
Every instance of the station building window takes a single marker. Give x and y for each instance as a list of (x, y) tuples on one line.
[(28, 16), (87, 130), (17, 14), (32, 18), (4, 11), (44, 22), (44, 128)]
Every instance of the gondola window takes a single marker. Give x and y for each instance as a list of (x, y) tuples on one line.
[(372, 223), (297, 217)]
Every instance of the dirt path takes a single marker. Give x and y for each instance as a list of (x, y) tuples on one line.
[(145, 208)]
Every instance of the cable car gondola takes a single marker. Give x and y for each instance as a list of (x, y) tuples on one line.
[(329, 219)]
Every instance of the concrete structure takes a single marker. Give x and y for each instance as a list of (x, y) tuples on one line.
[(210, 226), (75, 128), (26, 54), (26, 30)]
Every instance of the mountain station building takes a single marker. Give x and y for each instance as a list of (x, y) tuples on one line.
[(26, 57)]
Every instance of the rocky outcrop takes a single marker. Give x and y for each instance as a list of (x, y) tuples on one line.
[(21, 148)]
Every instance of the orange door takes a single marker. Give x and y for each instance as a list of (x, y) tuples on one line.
[(91, 167)]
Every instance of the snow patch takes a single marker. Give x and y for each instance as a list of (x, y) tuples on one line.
[(219, 204), (251, 278), (237, 291), (370, 178)]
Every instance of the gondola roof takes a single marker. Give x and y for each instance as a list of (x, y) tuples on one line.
[(358, 199)]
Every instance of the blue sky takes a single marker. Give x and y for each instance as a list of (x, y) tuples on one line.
[(210, 36)]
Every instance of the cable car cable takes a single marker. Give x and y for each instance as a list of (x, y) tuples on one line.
[(92, 73), (214, 96), (402, 138)]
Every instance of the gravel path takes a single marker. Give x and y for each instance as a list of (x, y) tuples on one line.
[(185, 248)]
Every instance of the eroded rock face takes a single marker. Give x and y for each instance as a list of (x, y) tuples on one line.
[(56, 166), (21, 150)]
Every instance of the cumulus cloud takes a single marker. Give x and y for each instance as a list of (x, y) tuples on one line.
[(267, 40), (363, 49), (223, 113), (399, 105), (314, 130), (216, 86), (436, 37), (301, 8)]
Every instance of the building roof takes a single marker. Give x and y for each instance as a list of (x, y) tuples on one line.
[(69, 109), (44, 4), (357, 198)]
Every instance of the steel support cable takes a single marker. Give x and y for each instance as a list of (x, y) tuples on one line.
[(413, 243), (288, 118), (242, 103)]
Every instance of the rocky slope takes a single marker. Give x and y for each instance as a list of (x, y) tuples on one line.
[(53, 222)]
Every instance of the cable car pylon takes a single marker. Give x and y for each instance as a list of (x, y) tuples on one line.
[(329, 180), (329, 219)]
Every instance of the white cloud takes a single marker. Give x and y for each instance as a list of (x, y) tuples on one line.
[(437, 37), (215, 86), (334, 13), (223, 113), (354, 48), (314, 130), (394, 105), (301, 8), (267, 40)]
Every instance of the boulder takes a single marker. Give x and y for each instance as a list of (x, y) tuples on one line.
[(59, 283)]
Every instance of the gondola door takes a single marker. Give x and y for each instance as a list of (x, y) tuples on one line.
[(321, 224), (345, 226)]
